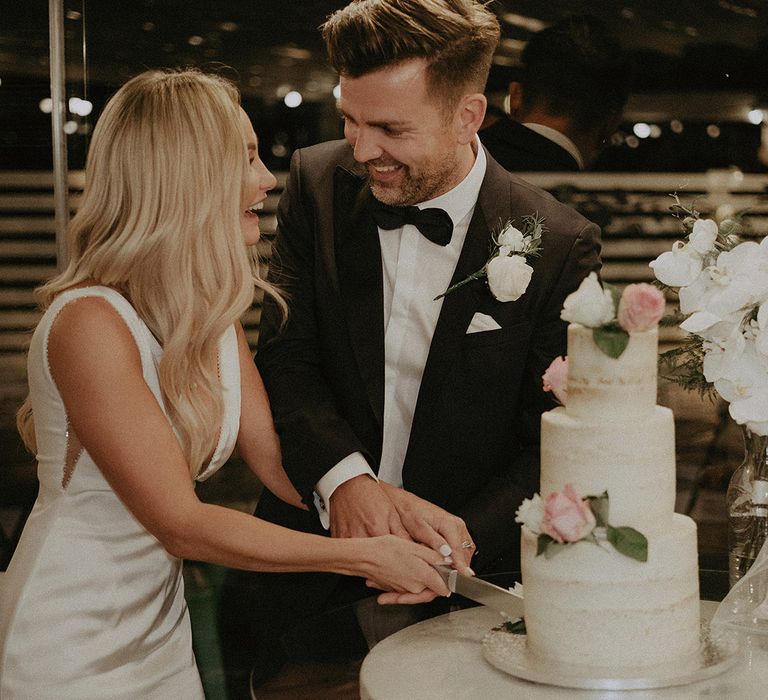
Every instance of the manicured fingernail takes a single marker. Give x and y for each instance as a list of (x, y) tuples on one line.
[(472, 573), (448, 560), (445, 549)]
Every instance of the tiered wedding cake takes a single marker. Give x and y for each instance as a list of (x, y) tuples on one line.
[(589, 604)]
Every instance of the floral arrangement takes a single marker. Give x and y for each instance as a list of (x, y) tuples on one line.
[(722, 286), (507, 270), (566, 518), (613, 316)]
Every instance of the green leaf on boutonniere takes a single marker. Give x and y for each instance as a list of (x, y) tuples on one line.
[(628, 541), (599, 507), (612, 340)]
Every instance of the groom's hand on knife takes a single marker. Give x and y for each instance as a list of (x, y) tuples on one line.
[(360, 508)]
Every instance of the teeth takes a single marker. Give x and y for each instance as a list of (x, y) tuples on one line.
[(256, 207), (385, 168)]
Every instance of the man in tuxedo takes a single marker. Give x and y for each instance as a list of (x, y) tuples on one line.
[(568, 101), (375, 385)]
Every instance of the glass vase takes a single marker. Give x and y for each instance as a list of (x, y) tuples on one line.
[(747, 504)]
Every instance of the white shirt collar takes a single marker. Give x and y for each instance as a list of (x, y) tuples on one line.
[(559, 138), (460, 200)]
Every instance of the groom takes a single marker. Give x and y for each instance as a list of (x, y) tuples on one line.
[(371, 377)]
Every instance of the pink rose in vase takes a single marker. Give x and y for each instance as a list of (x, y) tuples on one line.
[(567, 517), (641, 307), (555, 379)]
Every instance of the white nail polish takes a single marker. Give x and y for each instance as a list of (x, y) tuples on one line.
[(448, 560), (445, 549)]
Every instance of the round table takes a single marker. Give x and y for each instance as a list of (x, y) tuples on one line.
[(441, 659)]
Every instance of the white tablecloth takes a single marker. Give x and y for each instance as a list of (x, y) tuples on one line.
[(441, 659)]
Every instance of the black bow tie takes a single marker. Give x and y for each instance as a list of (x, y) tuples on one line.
[(435, 224)]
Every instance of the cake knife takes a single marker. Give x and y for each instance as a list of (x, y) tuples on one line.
[(481, 591)]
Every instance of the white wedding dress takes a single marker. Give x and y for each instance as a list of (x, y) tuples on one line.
[(92, 605)]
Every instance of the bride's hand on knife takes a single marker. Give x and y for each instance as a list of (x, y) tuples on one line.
[(404, 569), (435, 527)]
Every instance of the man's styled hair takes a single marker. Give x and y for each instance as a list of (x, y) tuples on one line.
[(457, 39), (574, 68)]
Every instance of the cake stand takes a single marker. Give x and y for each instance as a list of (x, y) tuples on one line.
[(508, 652)]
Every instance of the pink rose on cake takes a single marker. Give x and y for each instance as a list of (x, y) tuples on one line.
[(567, 517), (555, 379), (641, 307)]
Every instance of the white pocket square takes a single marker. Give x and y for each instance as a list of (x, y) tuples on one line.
[(482, 322)]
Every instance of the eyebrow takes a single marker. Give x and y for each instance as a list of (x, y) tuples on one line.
[(389, 124)]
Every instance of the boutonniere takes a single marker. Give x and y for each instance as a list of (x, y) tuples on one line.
[(507, 270)]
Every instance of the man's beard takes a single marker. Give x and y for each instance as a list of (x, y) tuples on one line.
[(430, 183)]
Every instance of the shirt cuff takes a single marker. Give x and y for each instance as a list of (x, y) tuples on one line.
[(351, 466)]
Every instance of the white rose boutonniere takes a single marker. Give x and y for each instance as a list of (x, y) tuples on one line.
[(508, 276), (507, 270)]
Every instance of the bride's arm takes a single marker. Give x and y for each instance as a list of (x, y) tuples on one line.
[(97, 369), (257, 441)]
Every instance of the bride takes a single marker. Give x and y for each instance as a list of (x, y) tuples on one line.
[(141, 381)]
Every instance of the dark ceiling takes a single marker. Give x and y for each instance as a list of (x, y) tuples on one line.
[(271, 44)]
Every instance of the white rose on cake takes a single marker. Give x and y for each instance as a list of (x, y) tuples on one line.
[(590, 305)]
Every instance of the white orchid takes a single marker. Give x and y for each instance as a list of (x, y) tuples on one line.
[(722, 286), (703, 236), (678, 267)]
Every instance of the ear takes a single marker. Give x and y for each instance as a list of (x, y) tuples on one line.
[(469, 116), (515, 90)]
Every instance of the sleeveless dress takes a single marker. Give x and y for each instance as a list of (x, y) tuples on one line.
[(92, 605)]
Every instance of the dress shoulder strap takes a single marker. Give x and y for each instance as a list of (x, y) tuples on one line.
[(139, 330)]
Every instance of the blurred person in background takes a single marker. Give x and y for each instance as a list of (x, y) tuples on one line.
[(568, 102)]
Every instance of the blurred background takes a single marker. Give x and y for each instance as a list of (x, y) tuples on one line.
[(701, 79), (696, 125)]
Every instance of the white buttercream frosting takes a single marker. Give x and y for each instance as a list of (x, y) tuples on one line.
[(589, 604)]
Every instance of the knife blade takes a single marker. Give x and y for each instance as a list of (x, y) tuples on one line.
[(482, 592)]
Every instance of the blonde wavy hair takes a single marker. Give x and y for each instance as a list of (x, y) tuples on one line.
[(160, 223)]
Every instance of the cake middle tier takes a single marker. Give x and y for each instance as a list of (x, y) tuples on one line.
[(634, 461)]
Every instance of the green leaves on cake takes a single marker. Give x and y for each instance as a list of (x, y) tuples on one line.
[(565, 518), (611, 315)]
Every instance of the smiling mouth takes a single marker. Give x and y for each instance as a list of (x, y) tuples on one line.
[(255, 208)]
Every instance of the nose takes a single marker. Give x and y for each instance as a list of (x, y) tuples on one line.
[(364, 145), (267, 180)]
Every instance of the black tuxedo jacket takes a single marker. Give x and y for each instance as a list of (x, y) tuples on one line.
[(520, 149), (474, 443)]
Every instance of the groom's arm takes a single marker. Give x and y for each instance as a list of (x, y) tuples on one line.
[(314, 437), (490, 514)]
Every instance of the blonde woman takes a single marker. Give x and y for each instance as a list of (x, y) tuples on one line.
[(141, 381)]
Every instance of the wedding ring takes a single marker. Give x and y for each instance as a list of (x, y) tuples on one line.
[(467, 544)]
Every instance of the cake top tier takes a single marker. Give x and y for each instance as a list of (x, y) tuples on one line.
[(602, 387)]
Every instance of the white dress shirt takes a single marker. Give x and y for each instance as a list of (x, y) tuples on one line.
[(415, 271)]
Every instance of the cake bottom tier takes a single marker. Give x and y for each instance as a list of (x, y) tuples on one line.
[(592, 606)]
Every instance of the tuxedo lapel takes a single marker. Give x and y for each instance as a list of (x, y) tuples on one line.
[(460, 306), (358, 261)]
